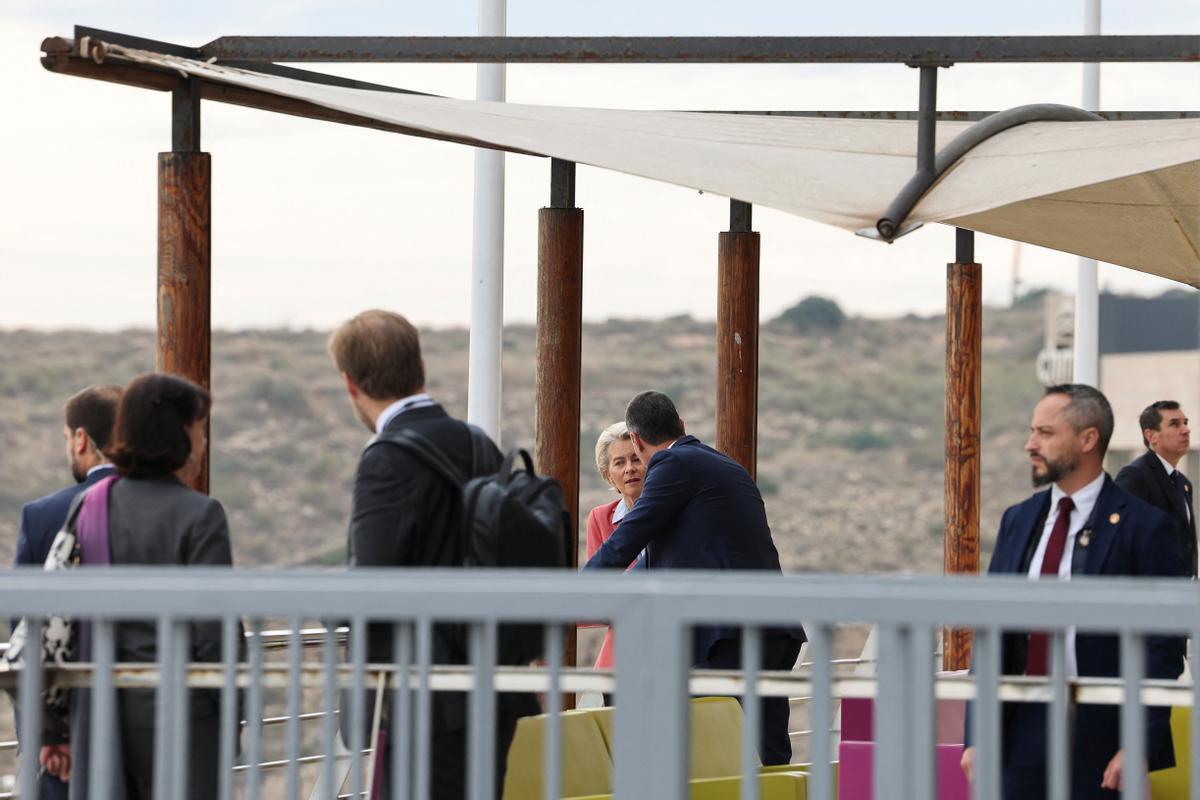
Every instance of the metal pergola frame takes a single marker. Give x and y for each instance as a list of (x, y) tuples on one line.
[(183, 344)]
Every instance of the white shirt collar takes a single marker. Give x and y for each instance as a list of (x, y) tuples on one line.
[(1084, 499), (399, 407), (105, 465), (1166, 464), (620, 511)]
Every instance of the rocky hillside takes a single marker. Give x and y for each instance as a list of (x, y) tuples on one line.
[(850, 425)]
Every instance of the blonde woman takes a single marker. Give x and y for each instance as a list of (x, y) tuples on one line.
[(622, 469)]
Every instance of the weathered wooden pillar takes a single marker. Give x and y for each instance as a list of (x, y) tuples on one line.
[(184, 251), (964, 338), (737, 338), (559, 337)]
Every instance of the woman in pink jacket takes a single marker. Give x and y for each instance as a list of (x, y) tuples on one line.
[(621, 469)]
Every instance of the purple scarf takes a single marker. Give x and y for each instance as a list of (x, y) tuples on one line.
[(91, 527)]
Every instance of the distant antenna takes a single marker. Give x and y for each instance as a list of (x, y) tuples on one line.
[(1016, 273)]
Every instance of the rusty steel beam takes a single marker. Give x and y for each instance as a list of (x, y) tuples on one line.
[(61, 58), (737, 338), (964, 357), (913, 50)]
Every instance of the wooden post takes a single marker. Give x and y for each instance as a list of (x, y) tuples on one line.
[(737, 338), (184, 253), (559, 355), (964, 337)]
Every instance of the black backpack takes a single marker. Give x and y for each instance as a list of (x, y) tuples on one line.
[(514, 518)]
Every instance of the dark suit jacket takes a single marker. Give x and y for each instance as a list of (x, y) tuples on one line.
[(1147, 479), (699, 509), (1138, 543), (406, 515), (42, 519)]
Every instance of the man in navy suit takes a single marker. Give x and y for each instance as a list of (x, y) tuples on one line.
[(1085, 525), (700, 509), (1155, 477), (88, 423)]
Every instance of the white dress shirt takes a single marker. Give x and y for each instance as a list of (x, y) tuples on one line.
[(1085, 501), (399, 407)]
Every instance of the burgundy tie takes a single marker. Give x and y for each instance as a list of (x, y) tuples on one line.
[(1036, 662)]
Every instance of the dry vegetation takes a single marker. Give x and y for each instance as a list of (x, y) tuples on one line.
[(850, 426)]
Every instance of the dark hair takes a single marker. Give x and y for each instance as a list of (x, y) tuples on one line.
[(652, 416), (152, 421), (94, 409), (1151, 417), (1088, 408), (381, 352)]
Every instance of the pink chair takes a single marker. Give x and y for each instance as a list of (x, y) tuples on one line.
[(856, 752)]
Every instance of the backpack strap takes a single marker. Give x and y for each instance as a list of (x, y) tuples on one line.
[(425, 451)]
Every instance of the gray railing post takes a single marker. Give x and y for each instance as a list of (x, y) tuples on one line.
[(552, 780), (164, 711), (922, 708), (892, 709), (230, 724), (180, 644), (481, 744), (103, 730), (357, 723), (1058, 717), (751, 710), (400, 727), (986, 652), (329, 658), (293, 707), (254, 711), (422, 767), (30, 703), (652, 705), (820, 637), (1133, 718)]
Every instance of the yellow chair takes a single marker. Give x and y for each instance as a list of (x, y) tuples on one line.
[(1174, 783), (586, 763), (776, 786)]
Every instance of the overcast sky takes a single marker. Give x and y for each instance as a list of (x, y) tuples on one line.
[(312, 222)]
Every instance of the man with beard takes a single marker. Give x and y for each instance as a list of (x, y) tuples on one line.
[(87, 425), (1084, 525)]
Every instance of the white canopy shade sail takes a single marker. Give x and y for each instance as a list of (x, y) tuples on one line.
[(1126, 193)]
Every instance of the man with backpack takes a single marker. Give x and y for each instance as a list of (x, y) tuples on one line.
[(408, 512)]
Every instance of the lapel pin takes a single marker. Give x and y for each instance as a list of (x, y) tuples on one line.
[(1085, 538), (1114, 518)]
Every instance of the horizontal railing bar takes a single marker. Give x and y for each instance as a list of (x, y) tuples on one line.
[(1087, 603), (302, 717), (705, 49), (300, 760), (8, 745), (1103, 691)]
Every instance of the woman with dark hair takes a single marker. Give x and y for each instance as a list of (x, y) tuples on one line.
[(147, 515)]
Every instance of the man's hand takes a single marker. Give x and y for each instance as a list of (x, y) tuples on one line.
[(56, 758), (1114, 773), (968, 763)]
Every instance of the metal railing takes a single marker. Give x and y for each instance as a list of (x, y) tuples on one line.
[(651, 616)]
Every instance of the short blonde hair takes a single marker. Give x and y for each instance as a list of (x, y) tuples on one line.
[(613, 433), (381, 352)]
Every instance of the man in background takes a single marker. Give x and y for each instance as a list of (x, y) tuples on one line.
[(405, 514), (87, 425), (700, 509), (1155, 476)]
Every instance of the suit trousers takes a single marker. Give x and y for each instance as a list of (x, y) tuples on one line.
[(778, 653), (137, 747), (1024, 757)]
